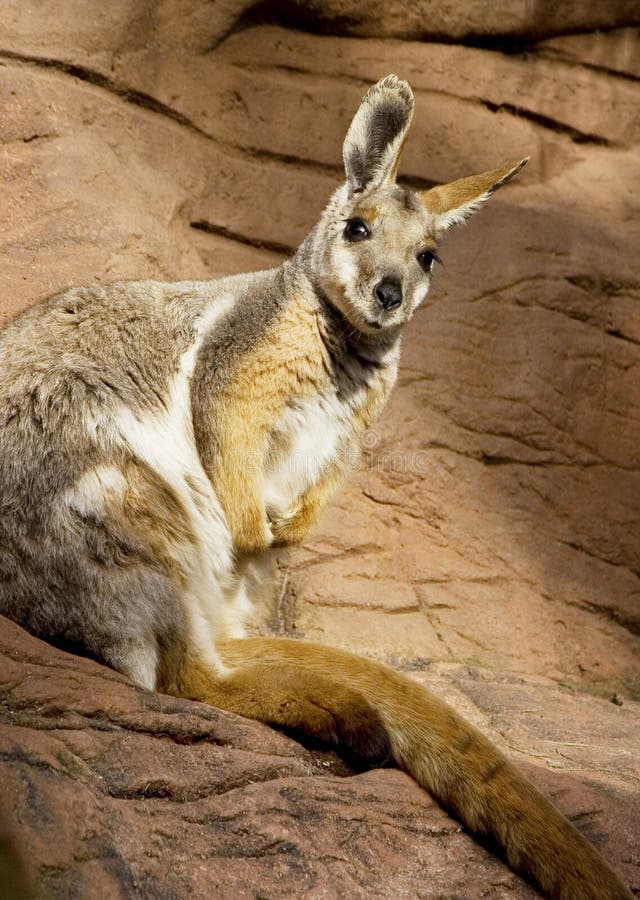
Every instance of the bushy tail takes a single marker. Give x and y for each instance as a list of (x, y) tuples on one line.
[(374, 711), (487, 793)]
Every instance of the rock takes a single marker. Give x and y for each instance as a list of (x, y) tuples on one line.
[(469, 20), (117, 791), (612, 52), (490, 540)]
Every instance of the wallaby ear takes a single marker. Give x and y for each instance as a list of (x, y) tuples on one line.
[(377, 133), (452, 203)]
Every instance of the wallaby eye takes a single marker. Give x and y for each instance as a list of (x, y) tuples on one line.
[(357, 230), (427, 259)]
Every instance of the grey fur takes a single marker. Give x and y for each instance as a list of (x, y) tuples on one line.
[(72, 580)]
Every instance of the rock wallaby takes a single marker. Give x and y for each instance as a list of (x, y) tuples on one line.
[(157, 438)]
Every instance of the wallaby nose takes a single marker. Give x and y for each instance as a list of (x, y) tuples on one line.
[(388, 293)]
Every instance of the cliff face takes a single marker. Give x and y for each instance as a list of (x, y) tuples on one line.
[(490, 542)]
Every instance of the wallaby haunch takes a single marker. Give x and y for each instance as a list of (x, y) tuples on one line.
[(151, 437)]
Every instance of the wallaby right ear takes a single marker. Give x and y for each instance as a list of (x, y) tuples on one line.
[(377, 134)]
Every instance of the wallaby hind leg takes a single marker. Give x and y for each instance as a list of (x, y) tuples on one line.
[(290, 696)]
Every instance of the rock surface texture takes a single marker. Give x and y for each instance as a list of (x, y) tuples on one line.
[(489, 544)]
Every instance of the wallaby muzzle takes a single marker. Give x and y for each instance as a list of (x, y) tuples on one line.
[(388, 293)]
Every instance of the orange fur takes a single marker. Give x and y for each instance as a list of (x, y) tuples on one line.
[(287, 362), (443, 198), (371, 710)]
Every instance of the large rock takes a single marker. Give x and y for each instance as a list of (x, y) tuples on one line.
[(492, 533), (119, 792)]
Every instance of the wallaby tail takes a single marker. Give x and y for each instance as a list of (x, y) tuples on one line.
[(485, 791), (374, 711)]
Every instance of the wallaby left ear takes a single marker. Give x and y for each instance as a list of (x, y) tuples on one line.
[(377, 133), (452, 203)]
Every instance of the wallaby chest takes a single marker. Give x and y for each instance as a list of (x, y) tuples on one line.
[(286, 423), (311, 435)]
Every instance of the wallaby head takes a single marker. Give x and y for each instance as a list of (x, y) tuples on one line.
[(376, 243)]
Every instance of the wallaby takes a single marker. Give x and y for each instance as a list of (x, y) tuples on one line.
[(150, 441)]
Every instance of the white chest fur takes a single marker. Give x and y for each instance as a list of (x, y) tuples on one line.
[(313, 431)]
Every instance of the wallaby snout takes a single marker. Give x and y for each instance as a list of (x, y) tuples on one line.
[(388, 293)]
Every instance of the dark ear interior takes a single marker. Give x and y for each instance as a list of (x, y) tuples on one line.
[(377, 133)]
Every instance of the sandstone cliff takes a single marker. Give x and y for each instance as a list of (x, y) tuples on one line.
[(490, 543)]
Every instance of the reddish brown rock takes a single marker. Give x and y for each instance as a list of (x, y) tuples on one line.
[(492, 532), (115, 791), (468, 20), (615, 51)]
